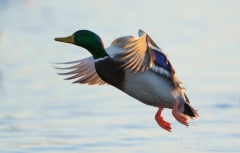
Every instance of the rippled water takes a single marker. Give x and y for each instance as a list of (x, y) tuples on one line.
[(39, 112)]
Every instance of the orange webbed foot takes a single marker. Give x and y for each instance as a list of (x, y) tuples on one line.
[(165, 125), (178, 115)]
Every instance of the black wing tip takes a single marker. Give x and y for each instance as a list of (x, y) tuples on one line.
[(141, 32), (59, 68), (62, 73)]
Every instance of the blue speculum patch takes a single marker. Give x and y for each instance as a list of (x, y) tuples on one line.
[(161, 60)]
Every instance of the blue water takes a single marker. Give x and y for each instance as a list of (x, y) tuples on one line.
[(40, 112)]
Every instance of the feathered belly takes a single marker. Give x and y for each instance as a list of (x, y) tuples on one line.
[(152, 89), (148, 87)]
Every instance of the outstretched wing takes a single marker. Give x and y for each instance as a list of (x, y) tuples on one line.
[(85, 70), (137, 53), (142, 53)]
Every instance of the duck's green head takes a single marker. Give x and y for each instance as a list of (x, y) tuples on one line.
[(88, 40)]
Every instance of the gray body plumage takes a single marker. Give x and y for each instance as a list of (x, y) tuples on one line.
[(158, 91)]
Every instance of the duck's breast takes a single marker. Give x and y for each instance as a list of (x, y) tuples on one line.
[(111, 72)]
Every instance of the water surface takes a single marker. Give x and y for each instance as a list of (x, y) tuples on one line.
[(42, 113)]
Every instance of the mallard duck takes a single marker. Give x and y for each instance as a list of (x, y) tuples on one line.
[(136, 66)]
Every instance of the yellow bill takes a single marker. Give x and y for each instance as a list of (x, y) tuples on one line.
[(69, 39)]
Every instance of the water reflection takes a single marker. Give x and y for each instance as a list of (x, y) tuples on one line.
[(5, 4), (1, 80)]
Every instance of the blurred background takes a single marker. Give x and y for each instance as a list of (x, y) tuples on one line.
[(39, 112)]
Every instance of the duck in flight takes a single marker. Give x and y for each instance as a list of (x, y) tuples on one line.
[(136, 66)]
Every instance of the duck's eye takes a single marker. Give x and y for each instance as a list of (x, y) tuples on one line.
[(83, 34)]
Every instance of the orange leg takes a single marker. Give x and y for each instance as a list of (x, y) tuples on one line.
[(179, 116), (165, 125)]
